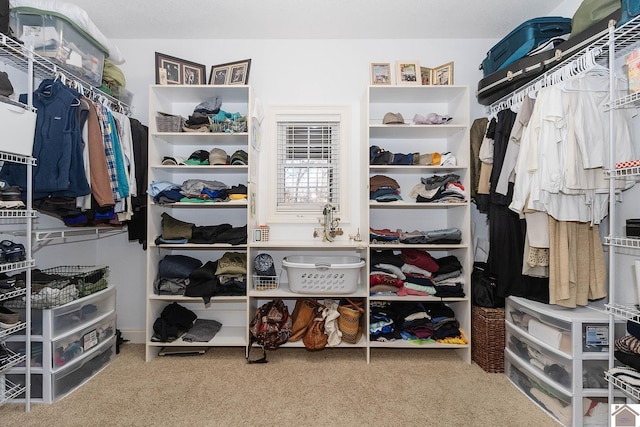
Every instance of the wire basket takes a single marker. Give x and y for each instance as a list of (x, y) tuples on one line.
[(63, 285), (169, 122), (266, 283)]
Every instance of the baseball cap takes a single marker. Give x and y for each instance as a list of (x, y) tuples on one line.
[(393, 119), (217, 156), (240, 157), (198, 157)]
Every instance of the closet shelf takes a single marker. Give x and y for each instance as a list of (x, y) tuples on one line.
[(626, 387), (629, 101), (622, 242), (17, 213), (12, 330), (51, 234), (10, 391), (626, 37), (625, 311), (14, 266), (623, 172), (17, 158), (18, 56)]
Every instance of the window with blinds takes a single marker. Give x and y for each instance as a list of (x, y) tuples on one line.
[(308, 165)]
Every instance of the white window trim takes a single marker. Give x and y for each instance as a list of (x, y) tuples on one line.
[(305, 113)]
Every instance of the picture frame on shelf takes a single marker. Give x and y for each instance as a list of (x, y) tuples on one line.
[(426, 74), (443, 75), (175, 71), (380, 73), (408, 73), (231, 73)]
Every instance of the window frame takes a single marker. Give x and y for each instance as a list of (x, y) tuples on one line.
[(304, 114)]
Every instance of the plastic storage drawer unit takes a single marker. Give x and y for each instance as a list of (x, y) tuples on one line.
[(69, 348), (61, 41), (67, 380)]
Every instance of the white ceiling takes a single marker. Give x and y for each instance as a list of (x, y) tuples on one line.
[(311, 19)]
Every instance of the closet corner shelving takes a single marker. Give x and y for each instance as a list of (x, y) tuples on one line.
[(620, 42), (181, 100), (18, 385), (409, 215)]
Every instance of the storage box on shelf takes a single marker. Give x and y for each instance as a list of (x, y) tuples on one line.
[(70, 343), (61, 41), (488, 332), (168, 139), (435, 138), (563, 350)]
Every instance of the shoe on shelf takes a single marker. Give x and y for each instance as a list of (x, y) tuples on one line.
[(12, 193), (7, 285), (8, 318), (12, 252)]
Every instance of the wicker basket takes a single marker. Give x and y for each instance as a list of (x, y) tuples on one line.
[(349, 321), (169, 122), (488, 338)]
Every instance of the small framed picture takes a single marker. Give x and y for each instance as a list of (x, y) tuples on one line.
[(427, 76), (231, 73), (175, 71), (381, 73), (408, 73), (443, 75)]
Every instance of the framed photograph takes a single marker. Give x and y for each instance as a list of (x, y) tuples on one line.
[(381, 73), (175, 71), (408, 73), (443, 75), (427, 76), (231, 73)]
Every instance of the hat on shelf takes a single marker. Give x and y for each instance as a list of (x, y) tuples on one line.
[(217, 156), (431, 119), (198, 157), (240, 157), (393, 119)]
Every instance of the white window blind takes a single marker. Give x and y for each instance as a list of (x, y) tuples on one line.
[(308, 165)]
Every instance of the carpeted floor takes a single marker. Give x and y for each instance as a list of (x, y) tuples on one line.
[(296, 388)]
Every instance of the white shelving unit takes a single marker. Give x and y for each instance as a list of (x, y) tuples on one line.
[(279, 250), (620, 41), (231, 311), (409, 215)]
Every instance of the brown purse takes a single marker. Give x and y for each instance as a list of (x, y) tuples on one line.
[(314, 338), (302, 316)]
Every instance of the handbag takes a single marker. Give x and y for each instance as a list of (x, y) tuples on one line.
[(302, 316), (484, 287), (349, 320), (315, 339)]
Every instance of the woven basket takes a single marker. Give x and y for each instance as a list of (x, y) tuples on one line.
[(349, 321), (488, 338)]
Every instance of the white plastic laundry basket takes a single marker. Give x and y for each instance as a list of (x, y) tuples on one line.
[(323, 274)]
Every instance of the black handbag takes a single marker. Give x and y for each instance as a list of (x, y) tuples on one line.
[(484, 289)]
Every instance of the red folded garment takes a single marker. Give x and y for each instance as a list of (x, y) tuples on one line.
[(420, 259)]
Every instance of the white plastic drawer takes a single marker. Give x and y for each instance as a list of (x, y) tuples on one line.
[(554, 402), (73, 346), (55, 322), (556, 333), (67, 380), (593, 374), (82, 311), (552, 365)]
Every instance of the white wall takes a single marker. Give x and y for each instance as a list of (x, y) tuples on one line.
[(283, 72)]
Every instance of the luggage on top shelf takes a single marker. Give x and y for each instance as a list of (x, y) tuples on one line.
[(523, 39)]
